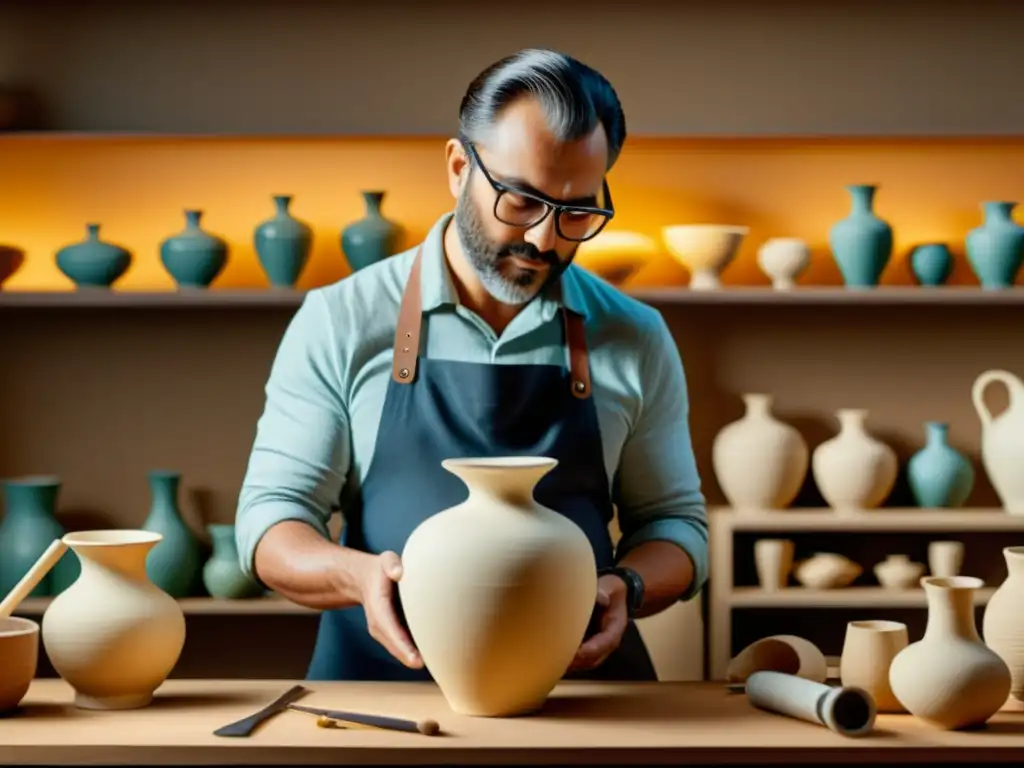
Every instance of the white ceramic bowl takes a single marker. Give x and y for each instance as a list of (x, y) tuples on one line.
[(704, 249)]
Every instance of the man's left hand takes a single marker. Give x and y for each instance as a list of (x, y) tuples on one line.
[(612, 622)]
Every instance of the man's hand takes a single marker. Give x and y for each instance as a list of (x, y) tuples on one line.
[(377, 587), (611, 604)]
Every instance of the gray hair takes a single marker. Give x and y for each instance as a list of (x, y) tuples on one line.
[(575, 98)]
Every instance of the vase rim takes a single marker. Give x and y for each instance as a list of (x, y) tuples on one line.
[(952, 582), (16, 626), (878, 625), (501, 462), (1014, 551), (164, 473), (24, 481), (116, 537)]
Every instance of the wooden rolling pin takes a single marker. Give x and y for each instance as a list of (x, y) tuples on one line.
[(35, 574)]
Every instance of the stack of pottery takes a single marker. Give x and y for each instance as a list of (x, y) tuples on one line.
[(93, 263), (1002, 439), (861, 243), (759, 462), (995, 250), (29, 525), (854, 470), (371, 239), (194, 257), (174, 563), (939, 475), (1003, 623), (283, 244)]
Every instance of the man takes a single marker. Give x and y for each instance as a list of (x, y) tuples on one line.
[(483, 341)]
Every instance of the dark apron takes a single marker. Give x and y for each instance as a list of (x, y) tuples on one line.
[(441, 409)]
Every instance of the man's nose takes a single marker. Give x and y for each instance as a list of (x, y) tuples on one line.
[(543, 236)]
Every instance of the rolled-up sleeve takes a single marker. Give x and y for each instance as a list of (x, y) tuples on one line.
[(300, 455), (658, 490)]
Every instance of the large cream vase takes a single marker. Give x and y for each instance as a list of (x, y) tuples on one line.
[(1003, 623), (854, 470), (498, 590)]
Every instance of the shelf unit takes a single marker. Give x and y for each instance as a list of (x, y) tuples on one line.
[(201, 606), (725, 597)]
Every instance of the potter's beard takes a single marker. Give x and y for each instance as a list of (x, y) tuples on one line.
[(501, 278)]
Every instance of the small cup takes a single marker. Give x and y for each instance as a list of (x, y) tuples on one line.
[(773, 559), (868, 651), (19, 659), (945, 558)]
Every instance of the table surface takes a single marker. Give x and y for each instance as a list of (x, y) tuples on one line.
[(583, 723)]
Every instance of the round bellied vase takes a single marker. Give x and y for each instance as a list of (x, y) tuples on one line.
[(939, 475), (93, 263), (223, 576), (194, 257), (931, 263), (29, 525), (283, 244), (175, 562), (372, 238), (995, 250)]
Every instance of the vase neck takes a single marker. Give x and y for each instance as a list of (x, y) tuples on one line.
[(950, 612), (281, 204), (862, 197), (496, 481), (223, 539), (1014, 561), (852, 421), (758, 406), (193, 219), (373, 202), (92, 231), (126, 561), (937, 433), (998, 211), (31, 500), (164, 489)]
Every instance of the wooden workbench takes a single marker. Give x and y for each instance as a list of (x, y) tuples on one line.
[(583, 724)]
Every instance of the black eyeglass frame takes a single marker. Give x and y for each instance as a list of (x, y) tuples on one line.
[(550, 204)]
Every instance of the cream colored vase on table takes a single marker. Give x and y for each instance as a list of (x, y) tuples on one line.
[(759, 462), (950, 678), (868, 651), (1002, 439), (854, 470), (113, 635), (497, 591), (1003, 623)]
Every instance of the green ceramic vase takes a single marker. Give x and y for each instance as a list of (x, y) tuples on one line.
[(194, 257), (222, 575), (283, 244), (371, 239), (93, 263), (174, 564), (29, 526)]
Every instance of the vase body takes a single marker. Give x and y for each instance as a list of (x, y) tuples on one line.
[(950, 678), (995, 250), (1003, 623), (113, 636), (28, 527), (899, 572), (939, 475), (371, 239), (92, 262), (759, 461), (1002, 439), (173, 565), (222, 574), (194, 257), (477, 591), (853, 470), (931, 263), (283, 244), (868, 650), (862, 242)]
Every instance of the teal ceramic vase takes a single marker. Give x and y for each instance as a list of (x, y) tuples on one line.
[(995, 250), (173, 564), (283, 244), (29, 526), (371, 239), (861, 243), (931, 263), (222, 574), (939, 475), (93, 263), (194, 257)]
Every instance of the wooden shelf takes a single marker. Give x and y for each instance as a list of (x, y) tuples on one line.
[(202, 606), (670, 295), (883, 519), (847, 597)]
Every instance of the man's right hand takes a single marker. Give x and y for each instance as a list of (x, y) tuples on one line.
[(377, 587)]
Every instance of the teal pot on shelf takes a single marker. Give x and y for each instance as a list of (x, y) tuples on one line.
[(222, 574), (194, 257), (283, 244), (861, 243), (371, 239), (28, 527), (93, 263), (995, 250), (939, 475), (931, 263), (174, 564)]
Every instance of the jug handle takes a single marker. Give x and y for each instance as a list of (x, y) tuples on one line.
[(1013, 386)]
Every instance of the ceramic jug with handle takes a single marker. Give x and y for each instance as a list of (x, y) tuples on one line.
[(1002, 439)]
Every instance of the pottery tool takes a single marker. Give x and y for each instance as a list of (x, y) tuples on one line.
[(247, 725), (35, 574), (375, 722)]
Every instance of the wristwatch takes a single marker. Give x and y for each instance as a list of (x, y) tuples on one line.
[(634, 586)]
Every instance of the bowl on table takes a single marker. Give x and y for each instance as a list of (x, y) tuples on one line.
[(19, 658)]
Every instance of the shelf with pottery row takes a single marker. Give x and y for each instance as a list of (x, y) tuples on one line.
[(202, 606)]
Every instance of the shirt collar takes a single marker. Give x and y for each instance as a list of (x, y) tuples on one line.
[(438, 290)]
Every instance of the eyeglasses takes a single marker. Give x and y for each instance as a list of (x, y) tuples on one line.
[(519, 208)]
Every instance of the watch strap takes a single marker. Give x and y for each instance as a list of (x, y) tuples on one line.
[(634, 586)]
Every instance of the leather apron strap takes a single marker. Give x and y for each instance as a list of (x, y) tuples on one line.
[(410, 320)]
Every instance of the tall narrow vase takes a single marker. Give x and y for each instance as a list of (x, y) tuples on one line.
[(939, 475), (194, 257), (371, 239), (477, 589), (995, 250), (28, 527), (854, 470), (861, 243), (113, 636), (1003, 623), (283, 244), (222, 574), (174, 564), (950, 678)]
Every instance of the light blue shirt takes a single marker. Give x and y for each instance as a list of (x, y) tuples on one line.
[(325, 394)]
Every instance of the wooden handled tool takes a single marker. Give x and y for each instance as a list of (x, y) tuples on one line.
[(357, 720)]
